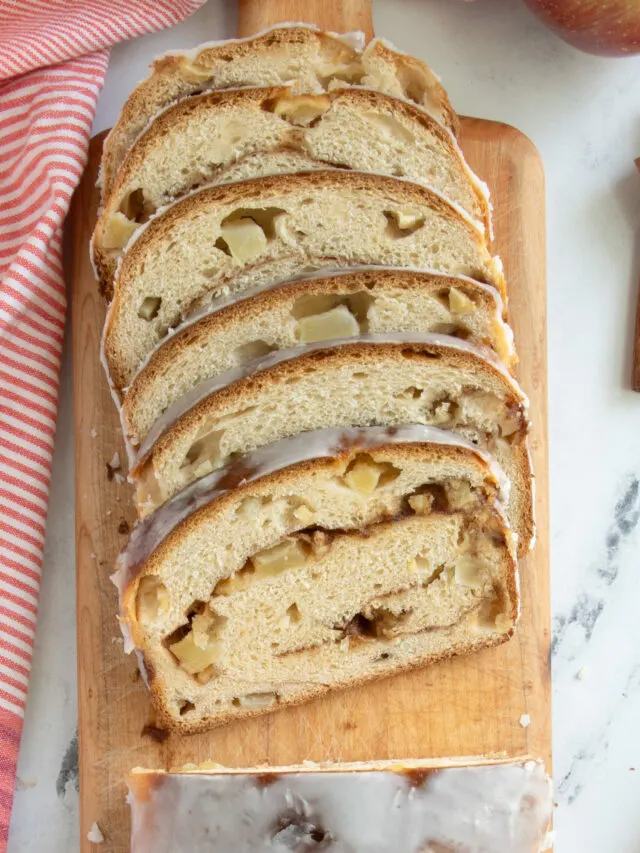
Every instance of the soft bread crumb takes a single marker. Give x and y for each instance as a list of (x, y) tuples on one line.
[(582, 673), (313, 58), (350, 215), (525, 720), (95, 834), (386, 619)]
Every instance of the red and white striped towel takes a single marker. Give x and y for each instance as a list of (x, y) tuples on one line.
[(53, 59)]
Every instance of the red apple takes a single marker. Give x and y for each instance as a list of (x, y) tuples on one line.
[(605, 27)]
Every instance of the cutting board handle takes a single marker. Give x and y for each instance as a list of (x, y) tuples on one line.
[(339, 16)]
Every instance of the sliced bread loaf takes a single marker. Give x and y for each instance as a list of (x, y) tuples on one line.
[(313, 308), (226, 238), (193, 141), (377, 379), (319, 562), (447, 805), (311, 60)]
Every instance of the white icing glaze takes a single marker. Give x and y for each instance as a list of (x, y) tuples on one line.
[(473, 178), (226, 301), (92, 257), (478, 227), (223, 302), (318, 444), (214, 383), (481, 808)]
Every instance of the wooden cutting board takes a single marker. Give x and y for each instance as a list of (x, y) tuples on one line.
[(462, 707)]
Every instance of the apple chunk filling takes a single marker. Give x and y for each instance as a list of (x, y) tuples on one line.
[(245, 233), (288, 554), (203, 456), (244, 239), (153, 599), (365, 475), (338, 322), (322, 317), (196, 647), (459, 302)]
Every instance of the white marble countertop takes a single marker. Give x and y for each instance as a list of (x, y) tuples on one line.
[(583, 113)]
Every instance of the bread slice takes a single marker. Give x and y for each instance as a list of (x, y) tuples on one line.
[(312, 60), (377, 379), (226, 238), (276, 161), (316, 307), (193, 141), (318, 562), (475, 805)]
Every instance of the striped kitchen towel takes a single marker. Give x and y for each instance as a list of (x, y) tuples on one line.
[(53, 59)]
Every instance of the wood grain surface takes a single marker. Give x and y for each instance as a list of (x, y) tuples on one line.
[(470, 706), (339, 16)]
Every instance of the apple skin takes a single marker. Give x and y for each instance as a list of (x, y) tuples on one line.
[(603, 27)]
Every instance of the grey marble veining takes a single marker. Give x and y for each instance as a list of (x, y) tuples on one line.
[(583, 113)]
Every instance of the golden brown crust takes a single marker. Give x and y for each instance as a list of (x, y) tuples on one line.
[(397, 59), (178, 115), (235, 396), (172, 78), (176, 75), (374, 280), (278, 37), (231, 396), (264, 188), (395, 452)]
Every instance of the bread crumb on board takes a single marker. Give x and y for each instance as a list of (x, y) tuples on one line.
[(525, 720), (95, 834), (113, 468)]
